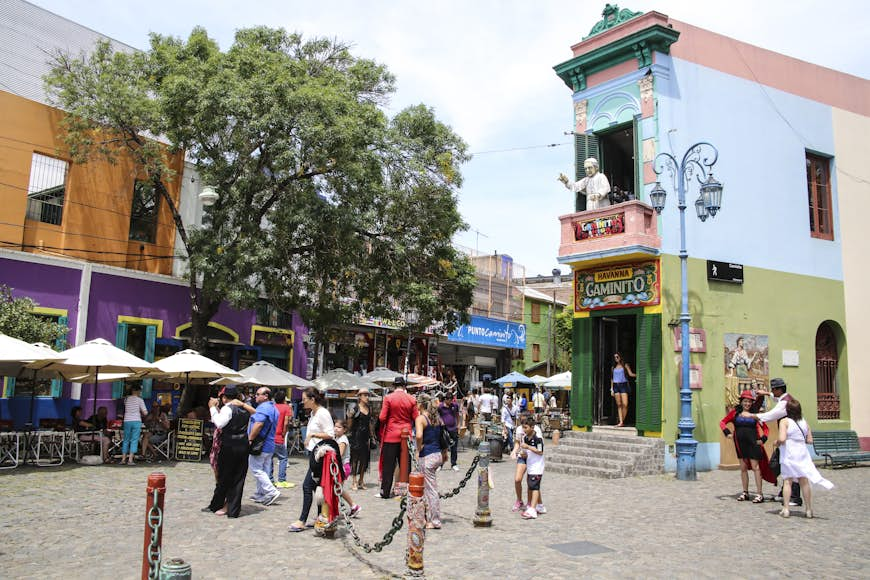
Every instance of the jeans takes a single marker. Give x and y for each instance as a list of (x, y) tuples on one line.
[(132, 431), (281, 456), (454, 447), (257, 465), (308, 489)]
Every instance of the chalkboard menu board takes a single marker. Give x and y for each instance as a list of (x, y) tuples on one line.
[(188, 442)]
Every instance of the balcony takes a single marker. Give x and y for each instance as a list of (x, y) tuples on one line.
[(624, 230)]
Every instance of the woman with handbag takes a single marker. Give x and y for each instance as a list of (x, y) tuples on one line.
[(795, 461), (360, 441), (749, 437), (321, 429), (432, 454)]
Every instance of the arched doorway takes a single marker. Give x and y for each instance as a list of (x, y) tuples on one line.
[(827, 359)]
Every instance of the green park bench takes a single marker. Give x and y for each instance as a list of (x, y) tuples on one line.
[(839, 448)]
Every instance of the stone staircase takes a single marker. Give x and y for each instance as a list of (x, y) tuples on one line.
[(607, 453)]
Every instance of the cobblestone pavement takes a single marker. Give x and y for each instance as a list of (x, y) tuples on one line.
[(87, 522)]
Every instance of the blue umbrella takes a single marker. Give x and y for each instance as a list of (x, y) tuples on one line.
[(515, 378)]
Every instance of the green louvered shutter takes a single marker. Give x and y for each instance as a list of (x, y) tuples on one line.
[(57, 384), (649, 373), (585, 146), (150, 338), (10, 387), (120, 342), (582, 392)]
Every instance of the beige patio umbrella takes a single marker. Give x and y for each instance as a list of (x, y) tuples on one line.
[(189, 364), (560, 381), (265, 374), (96, 356), (342, 380)]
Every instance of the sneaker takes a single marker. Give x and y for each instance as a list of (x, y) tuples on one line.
[(271, 499), (778, 497), (455, 468), (530, 514), (381, 496), (796, 502), (540, 508), (355, 510), (256, 499), (285, 484), (518, 506)]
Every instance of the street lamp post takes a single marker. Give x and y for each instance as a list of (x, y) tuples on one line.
[(697, 162), (412, 316), (551, 343)]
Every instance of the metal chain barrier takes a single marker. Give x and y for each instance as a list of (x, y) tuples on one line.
[(155, 522), (344, 509), (462, 483), (412, 451)]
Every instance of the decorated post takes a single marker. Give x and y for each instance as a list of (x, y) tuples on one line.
[(483, 517), (155, 492), (416, 526)]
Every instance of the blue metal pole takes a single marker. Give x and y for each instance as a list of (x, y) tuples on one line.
[(686, 443)]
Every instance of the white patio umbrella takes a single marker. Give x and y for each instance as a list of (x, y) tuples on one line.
[(382, 375), (539, 380), (189, 364), (342, 380), (15, 354), (560, 381), (265, 374), (96, 356)]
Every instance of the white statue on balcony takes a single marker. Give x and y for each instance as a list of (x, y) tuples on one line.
[(594, 186)]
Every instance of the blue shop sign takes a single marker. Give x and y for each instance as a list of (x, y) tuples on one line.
[(490, 332)]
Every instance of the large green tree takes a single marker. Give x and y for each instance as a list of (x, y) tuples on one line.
[(327, 204), (18, 320)]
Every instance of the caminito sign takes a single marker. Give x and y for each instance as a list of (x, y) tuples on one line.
[(619, 286), (600, 227)]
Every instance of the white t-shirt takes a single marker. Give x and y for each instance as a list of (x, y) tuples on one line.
[(538, 400), (345, 457), (320, 422), (535, 461), (518, 436), (487, 402)]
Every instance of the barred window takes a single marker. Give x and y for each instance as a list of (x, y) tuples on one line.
[(47, 189), (819, 197)]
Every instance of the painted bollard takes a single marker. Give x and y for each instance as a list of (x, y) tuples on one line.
[(416, 526), (155, 492), (175, 569), (400, 485), (483, 517)]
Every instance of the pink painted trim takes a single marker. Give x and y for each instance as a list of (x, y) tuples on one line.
[(622, 69), (649, 174), (864, 442), (814, 82)]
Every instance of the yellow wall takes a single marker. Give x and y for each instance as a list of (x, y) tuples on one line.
[(853, 191), (96, 212)]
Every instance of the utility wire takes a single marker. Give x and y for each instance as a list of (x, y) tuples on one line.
[(520, 148)]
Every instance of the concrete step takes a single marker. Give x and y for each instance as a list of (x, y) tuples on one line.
[(616, 446), (593, 452), (623, 465), (583, 470)]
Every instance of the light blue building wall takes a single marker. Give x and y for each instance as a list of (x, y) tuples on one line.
[(762, 135)]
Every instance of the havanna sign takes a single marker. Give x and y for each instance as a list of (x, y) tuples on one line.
[(617, 286)]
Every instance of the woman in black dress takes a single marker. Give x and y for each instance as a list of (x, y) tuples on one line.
[(360, 436)]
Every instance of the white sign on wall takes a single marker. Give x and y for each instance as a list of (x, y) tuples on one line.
[(790, 358)]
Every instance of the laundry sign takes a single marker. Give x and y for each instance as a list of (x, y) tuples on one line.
[(617, 286)]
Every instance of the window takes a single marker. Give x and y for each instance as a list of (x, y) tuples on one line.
[(46, 189), (536, 352), (827, 361), (536, 313), (819, 194), (143, 213)]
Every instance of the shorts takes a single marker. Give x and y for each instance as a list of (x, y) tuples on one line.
[(534, 482), (521, 460), (620, 388), (347, 470)]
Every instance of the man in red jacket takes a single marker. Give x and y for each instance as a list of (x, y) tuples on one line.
[(397, 412)]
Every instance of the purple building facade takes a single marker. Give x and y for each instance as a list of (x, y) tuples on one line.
[(147, 314)]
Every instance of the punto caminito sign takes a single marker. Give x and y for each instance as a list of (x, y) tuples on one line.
[(618, 286), (600, 227)]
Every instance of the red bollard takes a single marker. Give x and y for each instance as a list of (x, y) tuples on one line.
[(404, 466), (416, 526), (153, 524)]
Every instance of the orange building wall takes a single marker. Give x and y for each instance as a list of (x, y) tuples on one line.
[(96, 212)]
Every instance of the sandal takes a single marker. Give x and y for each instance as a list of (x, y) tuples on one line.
[(743, 496), (758, 499)]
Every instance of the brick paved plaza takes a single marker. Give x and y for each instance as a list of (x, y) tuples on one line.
[(87, 522)]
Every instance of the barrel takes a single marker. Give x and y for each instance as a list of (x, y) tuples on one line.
[(175, 569)]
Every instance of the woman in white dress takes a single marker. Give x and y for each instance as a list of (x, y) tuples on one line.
[(795, 460)]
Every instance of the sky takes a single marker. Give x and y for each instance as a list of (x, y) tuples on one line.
[(485, 66)]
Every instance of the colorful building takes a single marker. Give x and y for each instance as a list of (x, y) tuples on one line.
[(773, 278), (93, 245), (539, 356)]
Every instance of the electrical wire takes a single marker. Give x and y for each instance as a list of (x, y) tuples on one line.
[(520, 148), (101, 238), (103, 252)]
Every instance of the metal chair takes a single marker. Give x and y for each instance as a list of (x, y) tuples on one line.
[(47, 448), (10, 441), (165, 448)]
